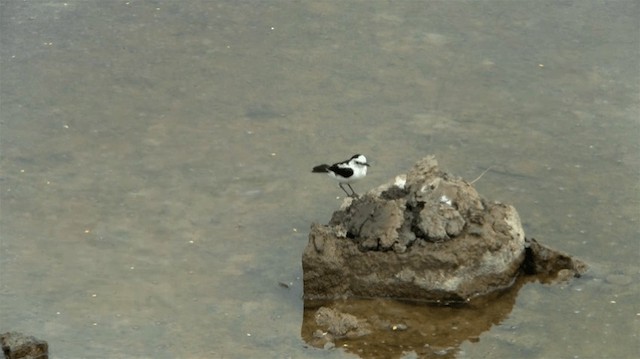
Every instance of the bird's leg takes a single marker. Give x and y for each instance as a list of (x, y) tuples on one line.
[(354, 194), (345, 191)]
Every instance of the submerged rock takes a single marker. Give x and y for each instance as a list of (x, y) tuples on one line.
[(19, 346), (427, 236)]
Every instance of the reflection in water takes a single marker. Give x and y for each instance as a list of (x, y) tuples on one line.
[(396, 327)]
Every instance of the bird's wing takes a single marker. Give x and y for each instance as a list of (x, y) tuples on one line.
[(341, 169)]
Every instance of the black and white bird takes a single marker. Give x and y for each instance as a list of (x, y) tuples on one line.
[(346, 172)]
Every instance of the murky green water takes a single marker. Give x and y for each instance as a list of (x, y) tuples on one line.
[(155, 182)]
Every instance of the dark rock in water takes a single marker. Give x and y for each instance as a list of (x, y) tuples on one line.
[(549, 265), (19, 346), (428, 236)]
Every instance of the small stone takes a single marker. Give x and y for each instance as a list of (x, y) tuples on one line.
[(400, 327)]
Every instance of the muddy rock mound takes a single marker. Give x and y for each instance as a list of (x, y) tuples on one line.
[(428, 236)]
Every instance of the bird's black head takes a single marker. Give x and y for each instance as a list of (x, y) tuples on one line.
[(359, 159)]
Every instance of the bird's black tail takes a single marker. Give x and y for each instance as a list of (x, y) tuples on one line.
[(321, 168)]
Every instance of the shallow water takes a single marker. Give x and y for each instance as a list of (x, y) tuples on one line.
[(155, 183)]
